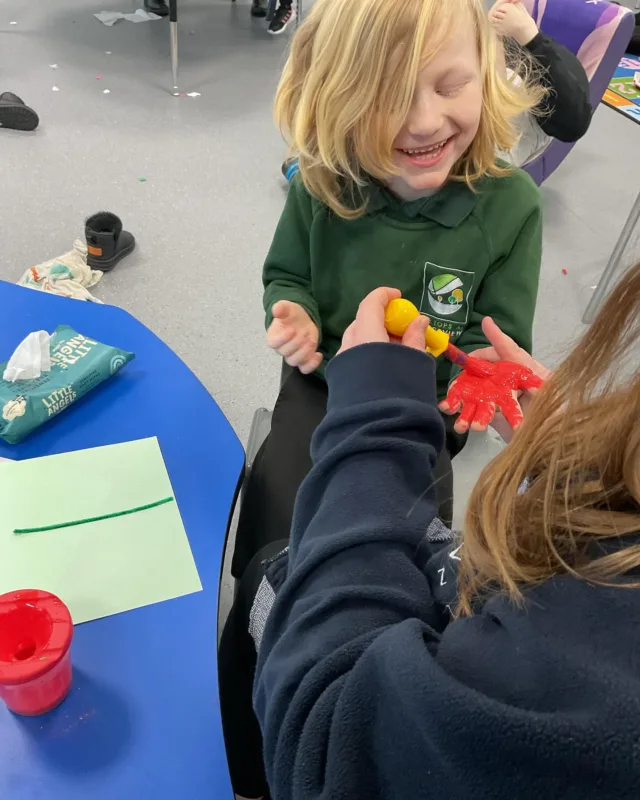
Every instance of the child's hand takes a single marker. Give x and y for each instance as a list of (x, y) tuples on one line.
[(512, 19), (477, 397), (294, 335), (503, 348)]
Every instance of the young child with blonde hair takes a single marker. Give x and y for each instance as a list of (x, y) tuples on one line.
[(396, 112)]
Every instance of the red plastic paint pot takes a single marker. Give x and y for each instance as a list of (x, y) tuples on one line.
[(35, 661)]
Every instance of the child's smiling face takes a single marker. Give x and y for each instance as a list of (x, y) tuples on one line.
[(444, 117)]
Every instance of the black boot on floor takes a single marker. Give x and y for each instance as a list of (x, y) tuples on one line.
[(15, 114), (158, 7), (107, 243), (258, 9)]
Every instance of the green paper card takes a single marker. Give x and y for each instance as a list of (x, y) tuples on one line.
[(99, 568)]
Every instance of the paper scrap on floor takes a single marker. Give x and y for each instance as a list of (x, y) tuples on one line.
[(109, 18), (98, 568)]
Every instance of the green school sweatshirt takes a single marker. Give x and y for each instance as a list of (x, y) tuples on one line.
[(459, 255)]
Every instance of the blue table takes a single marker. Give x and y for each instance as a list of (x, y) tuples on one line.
[(142, 720)]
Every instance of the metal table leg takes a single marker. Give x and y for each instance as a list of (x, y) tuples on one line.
[(613, 264), (173, 33)]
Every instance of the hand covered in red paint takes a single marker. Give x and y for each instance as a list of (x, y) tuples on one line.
[(478, 398), (513, 372), (294, 335)]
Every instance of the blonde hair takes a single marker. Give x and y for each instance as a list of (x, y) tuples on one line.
[(349, 83), (579, 452)]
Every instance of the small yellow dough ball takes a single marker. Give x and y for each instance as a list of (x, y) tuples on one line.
[(398, 314)]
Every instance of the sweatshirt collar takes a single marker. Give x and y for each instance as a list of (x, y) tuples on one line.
[(449, 206)]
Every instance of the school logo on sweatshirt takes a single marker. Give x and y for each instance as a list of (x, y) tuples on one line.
[(445, 297)]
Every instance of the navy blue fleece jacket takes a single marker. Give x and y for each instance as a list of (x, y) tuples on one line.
[(366, 689)]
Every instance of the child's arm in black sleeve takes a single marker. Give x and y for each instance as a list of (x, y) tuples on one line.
[(566, 111)]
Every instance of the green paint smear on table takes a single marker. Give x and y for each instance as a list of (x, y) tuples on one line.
[(113, 563)]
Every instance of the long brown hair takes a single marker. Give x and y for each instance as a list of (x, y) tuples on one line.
[(578, 454)]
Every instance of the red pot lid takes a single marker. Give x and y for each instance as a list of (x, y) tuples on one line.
[(35, 634)]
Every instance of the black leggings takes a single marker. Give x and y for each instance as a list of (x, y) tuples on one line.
[(283, 462), (236, 670)]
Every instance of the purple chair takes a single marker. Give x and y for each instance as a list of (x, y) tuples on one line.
[(597, 32)]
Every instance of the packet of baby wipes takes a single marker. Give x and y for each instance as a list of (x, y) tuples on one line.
[(78, 364)]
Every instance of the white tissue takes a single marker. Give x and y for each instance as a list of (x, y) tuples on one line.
[(109, 18), (30, 359), (140, 15)]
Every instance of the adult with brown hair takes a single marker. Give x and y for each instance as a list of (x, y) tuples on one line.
[(396, 663)]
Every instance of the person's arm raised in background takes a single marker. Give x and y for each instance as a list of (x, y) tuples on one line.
[(566, 111)]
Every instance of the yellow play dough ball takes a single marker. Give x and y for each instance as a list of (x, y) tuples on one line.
[(399, 313)]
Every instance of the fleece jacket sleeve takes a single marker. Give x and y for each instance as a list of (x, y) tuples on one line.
[(566, 112), (352, 587), (287, 270)]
